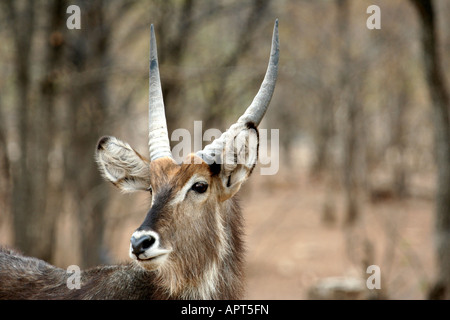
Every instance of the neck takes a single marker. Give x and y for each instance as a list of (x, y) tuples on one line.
[(216, 273)]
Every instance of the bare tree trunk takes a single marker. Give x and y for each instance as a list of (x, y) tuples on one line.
[(34, 219), (88, 49), (5, 167), (325, 127), (400, 174), (22, 22), (44, 133), (349, 99), (441, 118)]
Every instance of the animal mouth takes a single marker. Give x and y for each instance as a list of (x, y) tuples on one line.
[(151, 258), (150, 255)]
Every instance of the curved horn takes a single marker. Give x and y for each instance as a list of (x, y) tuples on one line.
[(158, 137), (255, 112)]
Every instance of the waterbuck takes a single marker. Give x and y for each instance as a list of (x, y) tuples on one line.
[(190, 244)]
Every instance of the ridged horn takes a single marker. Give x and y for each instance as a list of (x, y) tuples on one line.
[(158, 137), (255, 112)]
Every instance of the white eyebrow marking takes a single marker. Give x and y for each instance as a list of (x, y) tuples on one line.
[(180, 195)]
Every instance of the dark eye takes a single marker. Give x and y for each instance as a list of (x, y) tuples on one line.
[(200, 187), (150, 190)]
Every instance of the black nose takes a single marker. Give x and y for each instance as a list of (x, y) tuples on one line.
[(141, 244)]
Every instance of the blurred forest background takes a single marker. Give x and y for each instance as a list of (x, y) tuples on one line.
[(363, 119)]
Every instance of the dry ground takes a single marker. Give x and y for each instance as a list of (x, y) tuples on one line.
[(290, 247)]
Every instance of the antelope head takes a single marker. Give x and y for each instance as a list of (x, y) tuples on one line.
[(193, 227)]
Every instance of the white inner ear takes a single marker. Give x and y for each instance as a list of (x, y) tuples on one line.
[(239, 156), (111, 172), (122, 165)]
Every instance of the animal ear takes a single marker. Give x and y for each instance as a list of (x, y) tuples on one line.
[(239, 155), (122, 165)]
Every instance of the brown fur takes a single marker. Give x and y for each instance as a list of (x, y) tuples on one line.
[(193, 233), (206, 262)]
